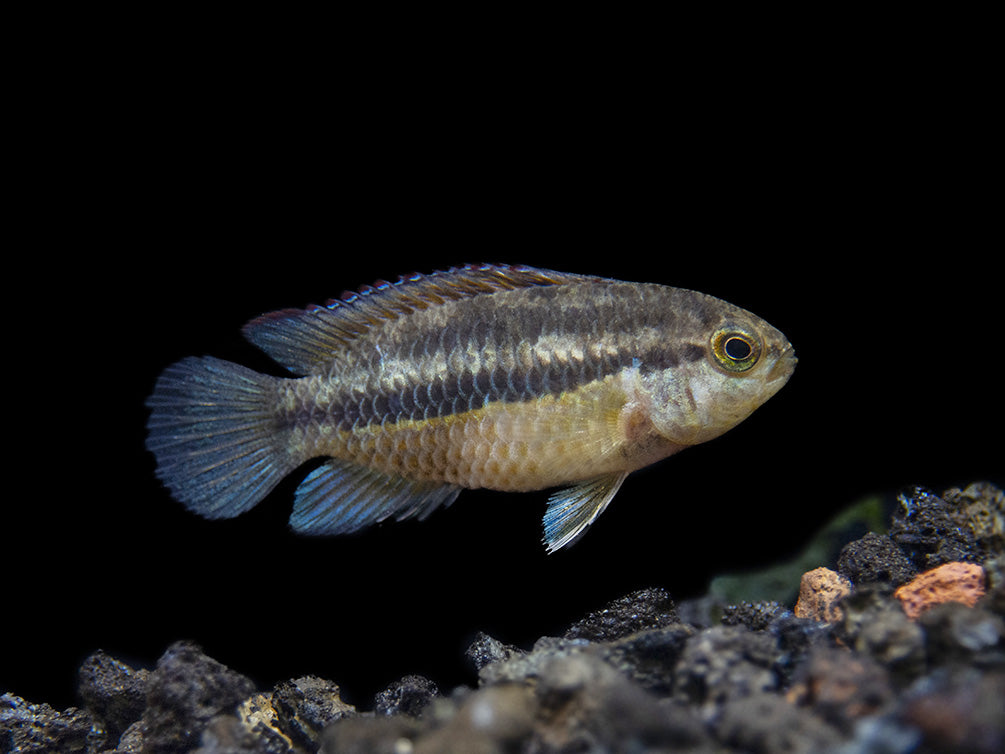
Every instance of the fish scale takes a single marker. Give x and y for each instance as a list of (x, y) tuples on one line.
[(482, 447), (509, 378)]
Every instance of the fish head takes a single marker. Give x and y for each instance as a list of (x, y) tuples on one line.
[(736, 362)]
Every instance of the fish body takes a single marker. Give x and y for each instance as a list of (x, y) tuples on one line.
[(499, 377)]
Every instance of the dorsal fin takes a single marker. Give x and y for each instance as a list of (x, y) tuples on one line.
[(308, 339)]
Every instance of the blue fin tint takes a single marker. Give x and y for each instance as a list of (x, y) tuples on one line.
[(213, 435), (573, 509), (340, 497)]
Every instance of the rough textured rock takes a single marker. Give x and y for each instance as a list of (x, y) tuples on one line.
[(766, 723), (638, 611), (408, 696), (820, 591), (841, 687), (981, 508), (226, 734), (28, 727), (874, 624), (637, 676), (957, 634), (649, 657), (113, 691), (931, 531), (304, 707), (586, 705), (495, 720), (796, 638), (254, 721), (951, 582), (958, 710), (875, 559), (754, 615), (187, 690), (725, 662), (527, 665), (994, 574), (485, 650)]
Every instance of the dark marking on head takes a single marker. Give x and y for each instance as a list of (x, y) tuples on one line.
[(692, 352), (706, 309)]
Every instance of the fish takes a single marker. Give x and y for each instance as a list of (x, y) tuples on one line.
[(503, 377)]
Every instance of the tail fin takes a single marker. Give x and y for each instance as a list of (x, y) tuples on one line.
[(213, 432)]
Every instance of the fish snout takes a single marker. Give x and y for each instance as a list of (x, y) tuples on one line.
[(784, 366)]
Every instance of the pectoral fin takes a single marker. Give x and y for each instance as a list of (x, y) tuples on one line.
[(573, 509)]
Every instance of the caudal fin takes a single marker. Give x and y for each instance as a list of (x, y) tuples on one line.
[(213, 432)]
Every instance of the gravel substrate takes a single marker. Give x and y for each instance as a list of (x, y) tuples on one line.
[(897, 647)]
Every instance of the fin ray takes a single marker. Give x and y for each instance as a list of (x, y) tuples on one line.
[(211, 432), (571, 510), (340, 497)]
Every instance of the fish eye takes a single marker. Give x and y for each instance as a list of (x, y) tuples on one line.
[(735, 350)]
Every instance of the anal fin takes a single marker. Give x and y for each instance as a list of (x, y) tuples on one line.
[(571, 510), (340, 497)]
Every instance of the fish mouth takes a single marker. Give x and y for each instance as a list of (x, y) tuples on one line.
[(783, 367)]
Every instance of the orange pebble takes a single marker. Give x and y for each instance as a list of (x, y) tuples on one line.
[(952, 582), (819, 592)]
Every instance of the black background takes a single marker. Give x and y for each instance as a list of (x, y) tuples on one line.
[(166, 206)]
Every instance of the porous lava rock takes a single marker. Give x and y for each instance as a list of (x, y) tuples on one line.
[(638, 611), (186, 690), (932, 532), (951, 582), (38, 727), (875, 559), (852, 669), (113, 691)]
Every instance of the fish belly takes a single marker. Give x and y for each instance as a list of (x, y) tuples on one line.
[(513, 446)]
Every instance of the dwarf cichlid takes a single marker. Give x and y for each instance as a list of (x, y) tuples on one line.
[(508, 378)]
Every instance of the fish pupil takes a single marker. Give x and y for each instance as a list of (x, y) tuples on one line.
[(737, 348)]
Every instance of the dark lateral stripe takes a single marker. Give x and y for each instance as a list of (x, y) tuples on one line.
[(587, 311), (614, 314), (468, 391)]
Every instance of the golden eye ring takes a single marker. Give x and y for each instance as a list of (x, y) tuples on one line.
[(735, 349)]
